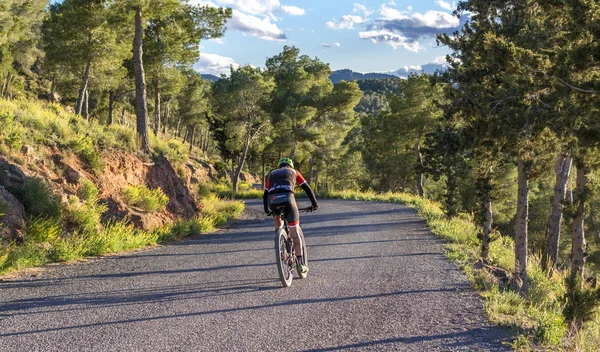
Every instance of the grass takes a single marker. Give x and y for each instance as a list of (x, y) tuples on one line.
[(38, 123), (150, 200), (47, 241)]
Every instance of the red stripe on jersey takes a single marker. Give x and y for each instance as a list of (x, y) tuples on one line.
[(299, 178)]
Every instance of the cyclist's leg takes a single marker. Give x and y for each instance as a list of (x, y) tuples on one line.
[(293, 218)]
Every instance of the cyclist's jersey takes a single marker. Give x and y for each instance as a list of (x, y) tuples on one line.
[(283, 180)]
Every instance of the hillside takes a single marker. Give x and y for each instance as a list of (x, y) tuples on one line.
[(72, 188)]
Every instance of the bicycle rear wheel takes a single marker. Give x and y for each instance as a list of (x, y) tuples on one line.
[(283, 258), (304, 253)]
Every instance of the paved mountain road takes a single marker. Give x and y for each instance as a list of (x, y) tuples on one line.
[(378, 281)]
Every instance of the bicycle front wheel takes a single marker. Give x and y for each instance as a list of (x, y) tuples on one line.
[(283, 258)]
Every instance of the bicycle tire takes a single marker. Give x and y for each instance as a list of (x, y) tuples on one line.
[(281, 255), (304, 254)]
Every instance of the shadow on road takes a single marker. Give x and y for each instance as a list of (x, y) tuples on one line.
[(63, 300), (467, 338)]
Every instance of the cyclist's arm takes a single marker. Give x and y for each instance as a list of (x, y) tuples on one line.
[(266, 194), (306, 187), (310, 193), (265, 205)]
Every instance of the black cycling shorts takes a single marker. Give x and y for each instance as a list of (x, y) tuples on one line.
[(288, 202)]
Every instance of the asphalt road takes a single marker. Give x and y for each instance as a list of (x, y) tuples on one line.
[(378, 280)]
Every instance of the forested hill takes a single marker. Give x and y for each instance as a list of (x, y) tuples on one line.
[(375, 94), (349, 75), (210, 77)]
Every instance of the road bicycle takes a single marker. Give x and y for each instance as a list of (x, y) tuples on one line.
[(284, 249)]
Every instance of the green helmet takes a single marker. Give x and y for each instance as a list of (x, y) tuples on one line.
[(286, 161)]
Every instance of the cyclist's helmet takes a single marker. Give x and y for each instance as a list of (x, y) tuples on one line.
[(286, 161)]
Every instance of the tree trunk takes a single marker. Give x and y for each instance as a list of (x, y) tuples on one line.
[(264, 166), (86, 105), (167, 112), (487, 216), (179, 127), (310, 174), (192, 139), (111, 106), (522, 219), (82, 89), (241, 161), (185, 136), (3, 87), (420, 172), (316, 181), (123, 117), (577, 230), (206, 141), (141, 109), (51, 98), (156, 110), (7, 85), (562, 169)]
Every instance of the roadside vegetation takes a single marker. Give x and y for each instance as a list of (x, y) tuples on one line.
[(51, 237), (538, 318)]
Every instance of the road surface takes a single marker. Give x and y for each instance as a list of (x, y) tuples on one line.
[(378, 281)]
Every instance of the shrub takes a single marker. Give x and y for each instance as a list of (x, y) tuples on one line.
[(88, 192), (150, 200), (38, 199), (14, 138), (43, 229), (85, 216), (84, 148)]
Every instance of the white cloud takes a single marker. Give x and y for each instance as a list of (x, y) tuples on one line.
[(217, 40), (292, 10), (393, 3), (214, 64), (261, 28), (440, 60), (405, 29), (256, 17), (392, 14), (329, 45), (362, 8), (395, 40), (346, 22), (446, 5)]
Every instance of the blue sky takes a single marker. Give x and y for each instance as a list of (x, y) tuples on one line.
[(362, 35)]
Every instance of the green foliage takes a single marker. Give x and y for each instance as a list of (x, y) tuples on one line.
[(87, 192), (376, 92), (41, 229), (83, 147), (581, 301), (38, 199), (174, 149), (85, 216), (150, 200)]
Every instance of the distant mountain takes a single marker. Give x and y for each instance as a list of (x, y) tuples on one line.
[(209, 77), (428, 68), (349, 75)]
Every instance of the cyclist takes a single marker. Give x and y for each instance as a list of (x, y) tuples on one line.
[(279, 190)]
